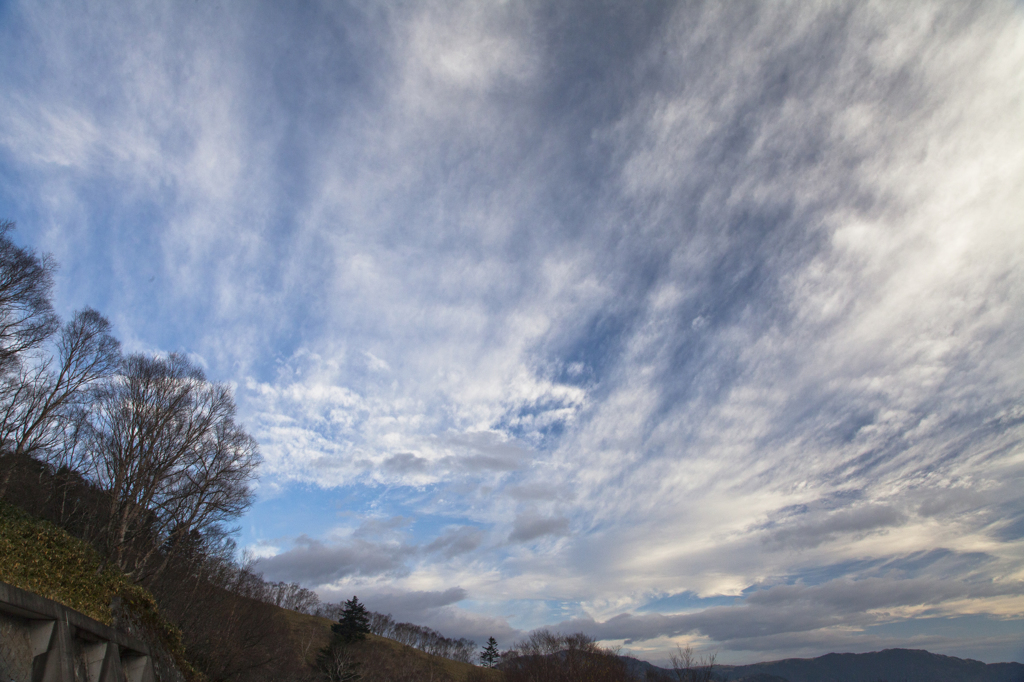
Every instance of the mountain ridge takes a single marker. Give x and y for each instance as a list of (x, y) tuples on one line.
[(888, 665)]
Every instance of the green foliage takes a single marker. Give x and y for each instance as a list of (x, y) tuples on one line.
[(490, 655), (336, 660), (41, 558), (38, 557), (354, 624)]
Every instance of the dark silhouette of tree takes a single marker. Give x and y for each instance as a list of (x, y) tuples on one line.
[(490, 655), (27, 320), (354, 623), (382, 624), (292, 596), (164, 447), (688, 667), (26, 313), (42, 404), (337, 661), (141, 457), (546, 656)]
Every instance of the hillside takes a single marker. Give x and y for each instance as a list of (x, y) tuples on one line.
[(39, 557), (383, 659), (902, 665), (890, 665)]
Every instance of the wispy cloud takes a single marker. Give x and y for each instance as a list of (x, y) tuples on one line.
[(606, 304)]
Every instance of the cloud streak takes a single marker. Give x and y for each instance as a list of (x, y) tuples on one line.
[(603, 304)]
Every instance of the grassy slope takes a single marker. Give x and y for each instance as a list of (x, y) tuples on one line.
[(38, 557), (312, 633)]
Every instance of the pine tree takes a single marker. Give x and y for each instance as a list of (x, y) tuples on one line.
[(354, 622), (490, 655)]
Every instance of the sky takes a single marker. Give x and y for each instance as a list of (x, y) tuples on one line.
[(667, 322)]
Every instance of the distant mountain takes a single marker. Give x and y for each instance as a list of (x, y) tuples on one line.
[(891, 665)]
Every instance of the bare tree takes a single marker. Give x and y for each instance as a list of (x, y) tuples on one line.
[(382, 624), (337, 663), (292, 596), (26, 314), (418, 636), (166, 450), (42, 404), (689, 667), (27, 320), (546, 655)]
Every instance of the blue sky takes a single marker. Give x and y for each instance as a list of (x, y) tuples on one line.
[(668, 322)]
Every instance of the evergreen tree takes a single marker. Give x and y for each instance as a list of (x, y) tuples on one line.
[(490, 655), (354, 622)]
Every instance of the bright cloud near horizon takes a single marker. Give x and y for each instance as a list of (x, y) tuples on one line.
[(669, 322)]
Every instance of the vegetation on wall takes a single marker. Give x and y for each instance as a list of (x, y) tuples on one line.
[(38, 557)]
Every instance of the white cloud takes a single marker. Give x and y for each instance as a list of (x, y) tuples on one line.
[(638, 305), (263, 550)]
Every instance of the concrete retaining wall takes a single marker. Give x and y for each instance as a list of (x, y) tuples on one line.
[(44, 641)]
